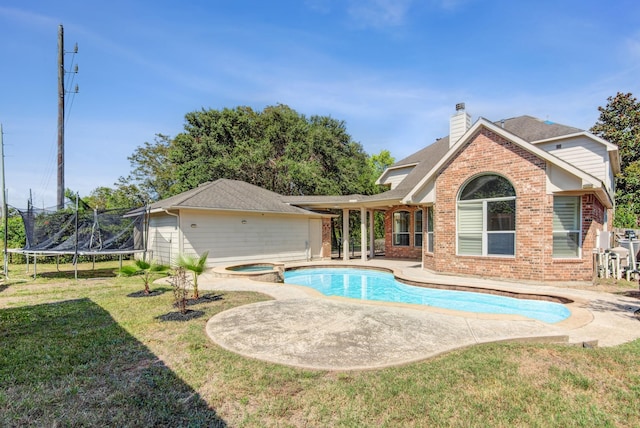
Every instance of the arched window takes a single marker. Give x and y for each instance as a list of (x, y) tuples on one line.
[(487, 217), (401, 220)]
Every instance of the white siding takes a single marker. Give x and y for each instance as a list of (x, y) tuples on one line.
[(583, 153), (163, 238), (459, 123), (315, 238), (242, 237), (559, 180), (395, 176), (427, 194)]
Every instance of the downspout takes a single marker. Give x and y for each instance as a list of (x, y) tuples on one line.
[(179, 233)]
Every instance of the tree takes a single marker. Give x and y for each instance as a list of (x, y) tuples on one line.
[(152, 177), (123, 196), (16, 237), (277, 149), (378, 164), (619, 123)]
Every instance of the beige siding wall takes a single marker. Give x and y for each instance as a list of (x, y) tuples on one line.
[(163, 238), (583, 153), (395, 176), (246, 237)]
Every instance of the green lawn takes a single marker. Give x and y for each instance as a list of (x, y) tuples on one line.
[(85, 353)]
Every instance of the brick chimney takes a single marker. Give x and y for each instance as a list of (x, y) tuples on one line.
[(459, 123)]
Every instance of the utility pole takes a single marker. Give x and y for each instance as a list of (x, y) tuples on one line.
[(5, 212), (61, 94), (60, 118)]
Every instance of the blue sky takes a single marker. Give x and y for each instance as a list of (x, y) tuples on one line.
[(393, 70)]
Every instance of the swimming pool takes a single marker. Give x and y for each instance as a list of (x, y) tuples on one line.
[(255, 267), (367, 284)]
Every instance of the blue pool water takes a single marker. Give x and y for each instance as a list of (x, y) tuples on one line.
[(251, 268), (366, 284)]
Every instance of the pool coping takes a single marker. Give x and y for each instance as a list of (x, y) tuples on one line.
[(579, 314), (597, 319)]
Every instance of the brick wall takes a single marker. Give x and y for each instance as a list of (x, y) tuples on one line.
[(489, 153), (326, 238), (401, 251)]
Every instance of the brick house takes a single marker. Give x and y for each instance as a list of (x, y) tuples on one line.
[(521, 198)]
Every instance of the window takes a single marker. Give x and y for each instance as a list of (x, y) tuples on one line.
[(430, 229), (487, 217), (566, 226), (401, 221), (417, 228)]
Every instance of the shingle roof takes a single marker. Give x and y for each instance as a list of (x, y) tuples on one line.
[(527, 128), (225, 194), (533, 129)]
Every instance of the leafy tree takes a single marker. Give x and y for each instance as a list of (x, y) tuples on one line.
[(123, 196), (16, 237), (277, 149), (378, 163), (152, 176), (619, 123), (76, 199)]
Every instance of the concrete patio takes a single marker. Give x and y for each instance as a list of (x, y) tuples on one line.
[(303, 328)]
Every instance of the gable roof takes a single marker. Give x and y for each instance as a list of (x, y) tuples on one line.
[(588, 180), (229, 195)]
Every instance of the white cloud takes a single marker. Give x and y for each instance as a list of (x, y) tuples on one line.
[(633, 47), (28, 18), (379, 13)]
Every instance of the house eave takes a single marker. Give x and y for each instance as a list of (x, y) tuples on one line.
[(612, 149), (179, 208), (484, 123), (380, 180)]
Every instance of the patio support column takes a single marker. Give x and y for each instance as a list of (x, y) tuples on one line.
[(363, 234), (372, 234), (345, 234)]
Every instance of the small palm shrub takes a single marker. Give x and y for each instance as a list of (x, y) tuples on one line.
[(196, 265), (146, 270)]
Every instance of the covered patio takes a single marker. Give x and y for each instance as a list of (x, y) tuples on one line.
[(366, 206)]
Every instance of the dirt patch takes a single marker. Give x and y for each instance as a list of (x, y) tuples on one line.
[(179, 316), (141, 293), (204, 298), (633, 293)]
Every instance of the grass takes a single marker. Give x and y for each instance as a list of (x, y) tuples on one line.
[(83, 353)]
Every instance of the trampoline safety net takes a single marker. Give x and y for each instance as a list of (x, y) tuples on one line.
[(70, 231)]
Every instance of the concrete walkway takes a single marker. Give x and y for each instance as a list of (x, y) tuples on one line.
[(303, 328)]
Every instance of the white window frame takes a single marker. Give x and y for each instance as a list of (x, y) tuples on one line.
[(577, 230), (484, 233), (429, 243), (396, 234), (418, 230)]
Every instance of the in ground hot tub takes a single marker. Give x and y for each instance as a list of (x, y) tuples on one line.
[(267, 272)]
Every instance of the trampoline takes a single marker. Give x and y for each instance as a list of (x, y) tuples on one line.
[(75, 231)]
